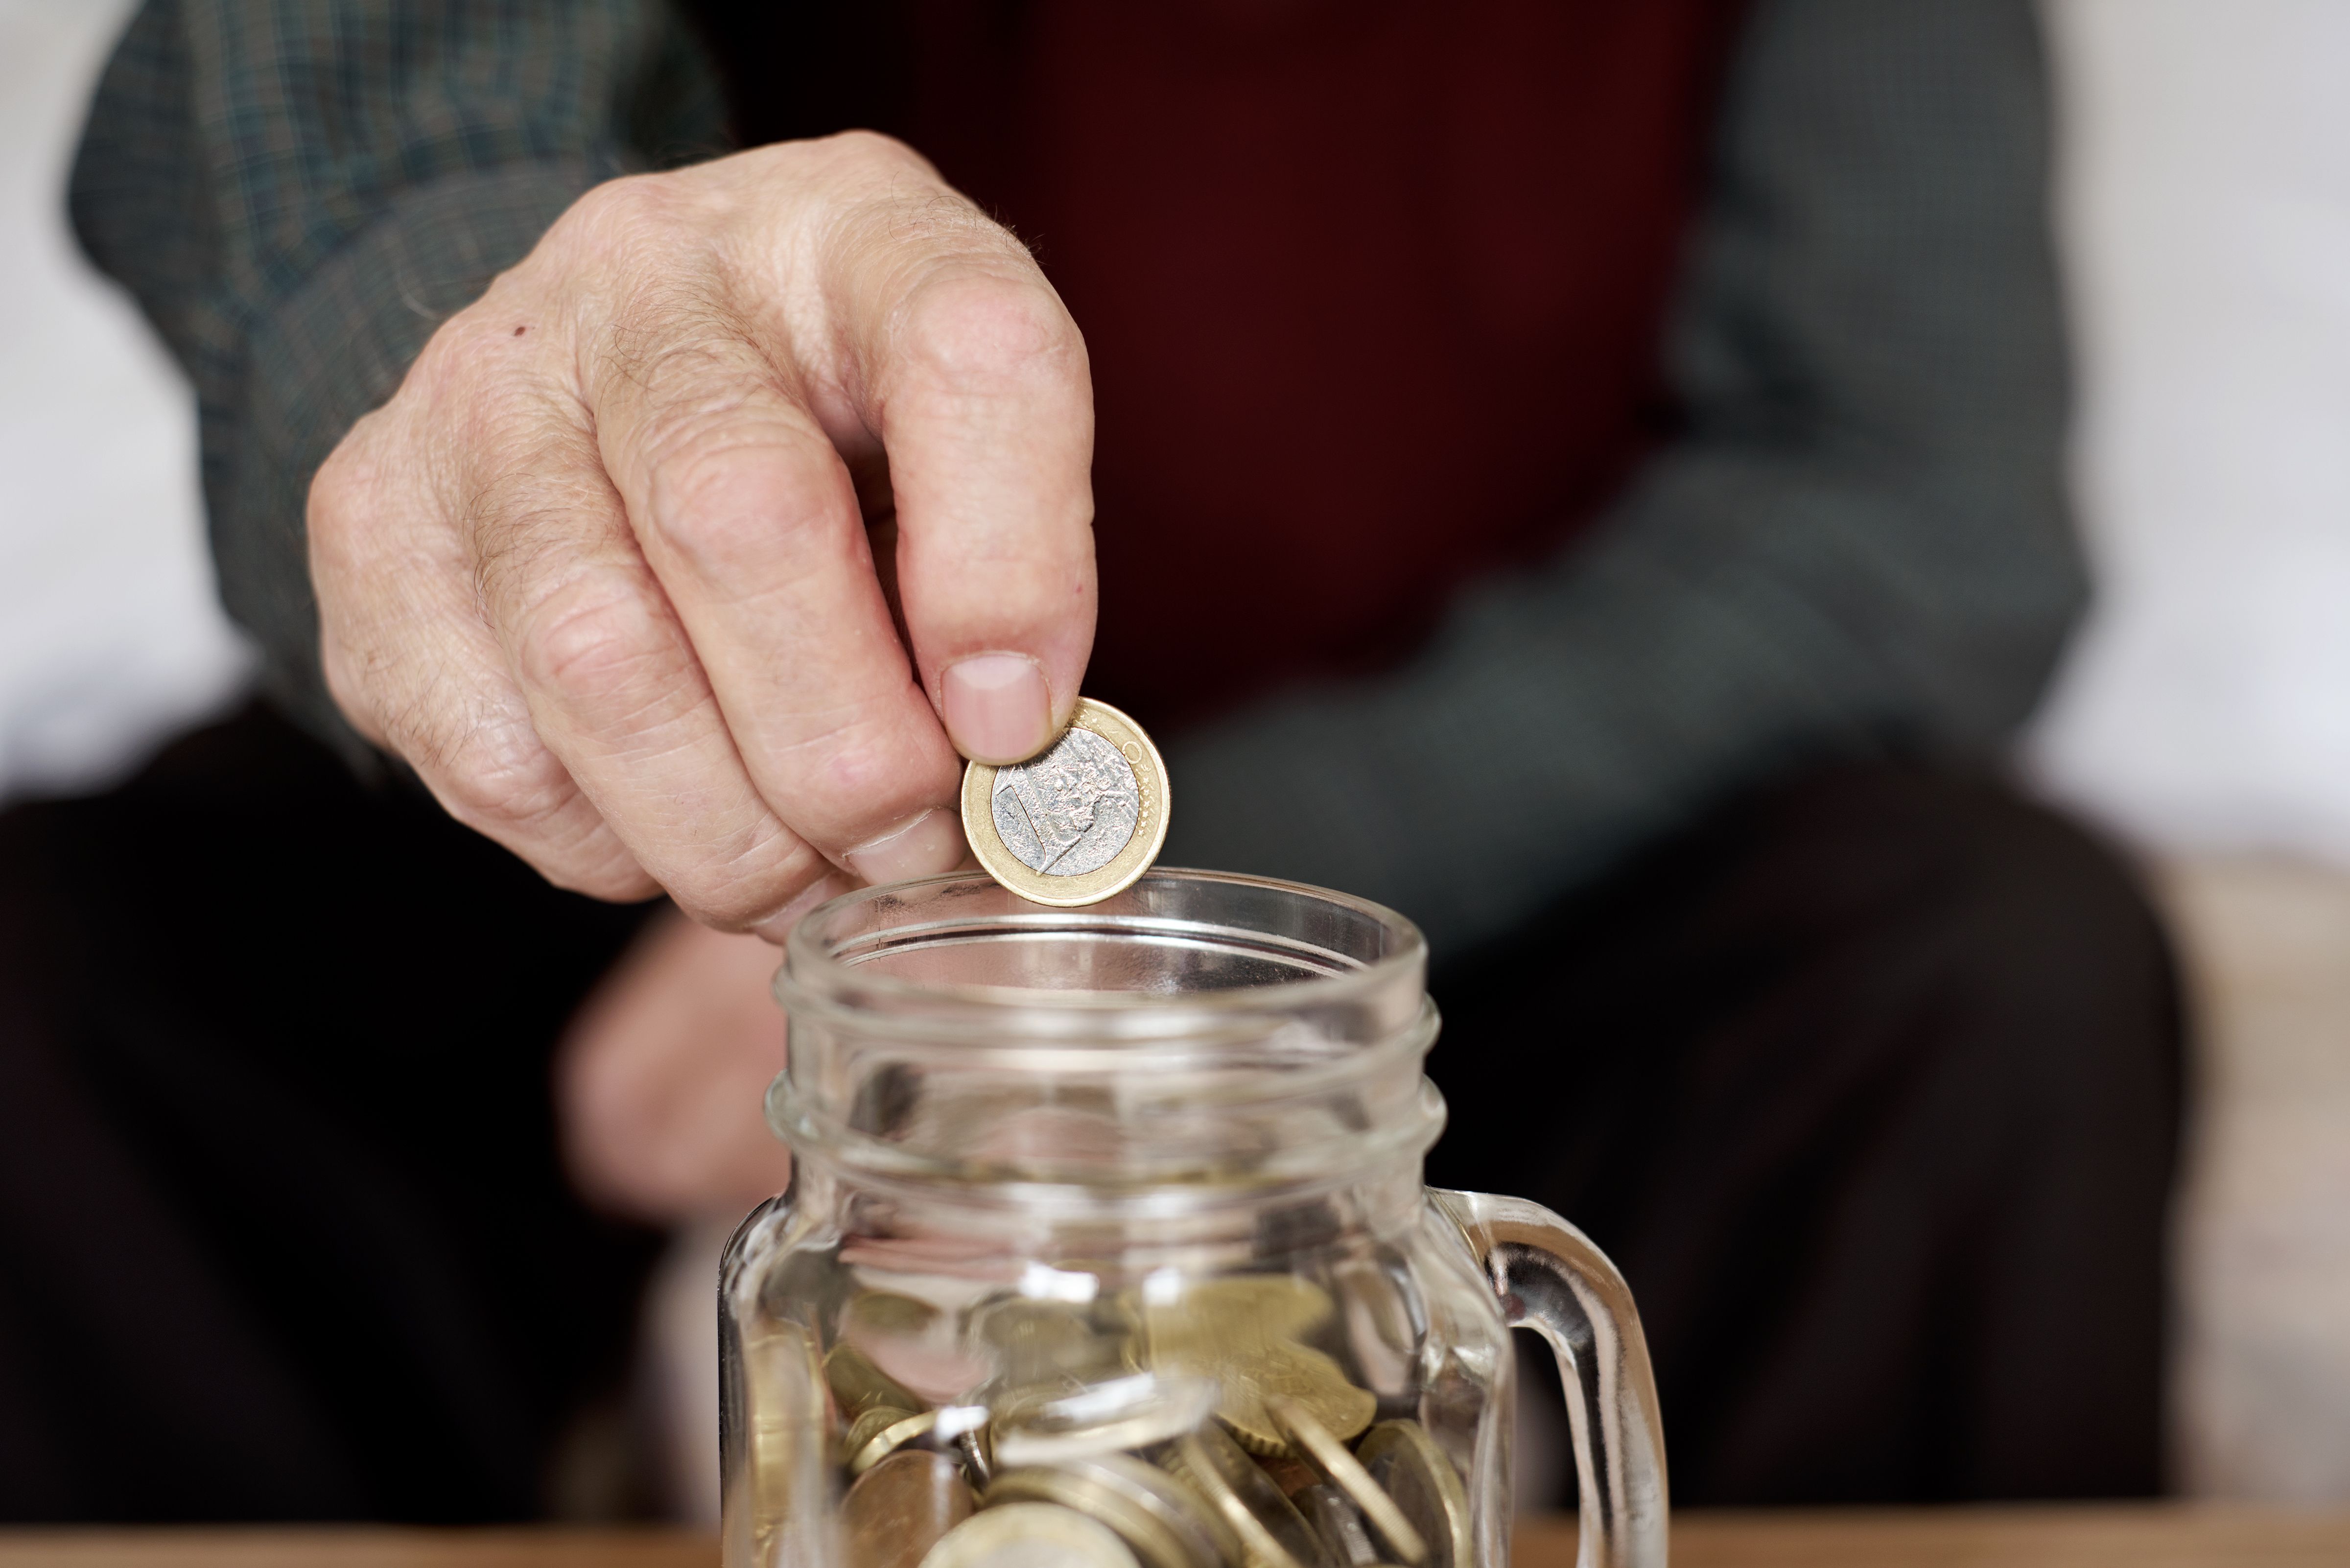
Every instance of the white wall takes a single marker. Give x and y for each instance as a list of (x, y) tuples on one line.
[(2205, 211), (109, 635), (2205, 207)]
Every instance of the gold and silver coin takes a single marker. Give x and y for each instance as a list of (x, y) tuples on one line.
[(1163, 1521), (1245, 1333), (1405, 1462), (1076, 823), (880, 1432), (1271, 1532), (1030, 1535), (901, 1508), (1339, 1525), (1320, 1448), (1201, 1427)]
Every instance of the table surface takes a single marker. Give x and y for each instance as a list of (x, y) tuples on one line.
[(2156, 1536)]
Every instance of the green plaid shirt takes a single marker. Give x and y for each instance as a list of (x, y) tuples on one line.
[(1859, 545)]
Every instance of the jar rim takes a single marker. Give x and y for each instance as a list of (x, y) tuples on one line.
[(811, 966)]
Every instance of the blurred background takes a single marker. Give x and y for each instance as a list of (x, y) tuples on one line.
[(2203, 715)]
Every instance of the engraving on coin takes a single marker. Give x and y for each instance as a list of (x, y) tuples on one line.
[(1076, 823), (1072, 809)]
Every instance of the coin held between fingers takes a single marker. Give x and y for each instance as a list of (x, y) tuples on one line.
[(1077, 822)]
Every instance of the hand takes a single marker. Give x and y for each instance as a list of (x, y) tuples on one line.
[(622, 569), (661, 1078)]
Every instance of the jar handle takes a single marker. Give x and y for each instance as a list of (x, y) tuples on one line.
[(1552, 1280)]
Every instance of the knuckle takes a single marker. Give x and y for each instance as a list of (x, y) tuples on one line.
[(730, 499), (735, 891), (620, 210), (493, 775), (594, 631), (980, 330), (497, 778), (870, 154)]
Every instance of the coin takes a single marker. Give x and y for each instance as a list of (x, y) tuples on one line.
[(1243, 1332), (1324, 1452), (1273, 1534), (1252, 1383), (1035, 1341), (1076, 823), (869, 1425), (1338, 1524), (1030, 1535), (900, 1507), (870, 1441), (1292, 1476), (785, 1426), (1056, 1421), (1163, 1521), (1406, 1463), (1237, 1313), (858, 1385), (976, 1459)]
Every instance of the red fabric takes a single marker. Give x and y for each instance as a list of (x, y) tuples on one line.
[(1371, 292)]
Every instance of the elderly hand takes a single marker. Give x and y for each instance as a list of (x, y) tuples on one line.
[(629, 568)]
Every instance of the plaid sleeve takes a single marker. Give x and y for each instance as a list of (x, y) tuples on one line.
[(299, 192)]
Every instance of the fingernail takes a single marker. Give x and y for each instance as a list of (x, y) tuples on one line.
[(930, 843), (777, 928), (997, 708)]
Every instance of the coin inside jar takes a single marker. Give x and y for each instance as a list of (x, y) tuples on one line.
[(1324, 1452), (1245, 1312), (901, 1508), (1051, 1424), (1273, 1533), (1339, 1525), (1406, 1464), (1252, 1383), (875, 1438), (1077, 822), (1150, 1511), (1030, 1535)]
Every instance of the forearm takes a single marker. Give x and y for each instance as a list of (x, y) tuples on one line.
[(1560, 720)]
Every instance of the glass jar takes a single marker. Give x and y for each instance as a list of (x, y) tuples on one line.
[(1107, 1247)]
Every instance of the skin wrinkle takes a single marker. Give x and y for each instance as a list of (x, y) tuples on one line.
[(657, 510)]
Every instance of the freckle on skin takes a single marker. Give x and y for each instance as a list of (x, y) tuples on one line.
[(520, 330)]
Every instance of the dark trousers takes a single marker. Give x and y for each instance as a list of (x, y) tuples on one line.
[(282, 1233), (1869, 1083)]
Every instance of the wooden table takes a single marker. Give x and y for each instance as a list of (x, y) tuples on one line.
[(2161, 1536)]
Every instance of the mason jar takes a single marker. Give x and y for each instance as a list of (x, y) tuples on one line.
[(1107, 1247)]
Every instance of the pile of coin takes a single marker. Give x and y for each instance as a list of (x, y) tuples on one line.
[(1123, 1433)]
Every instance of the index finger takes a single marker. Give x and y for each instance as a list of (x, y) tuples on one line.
[(966, 367)]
